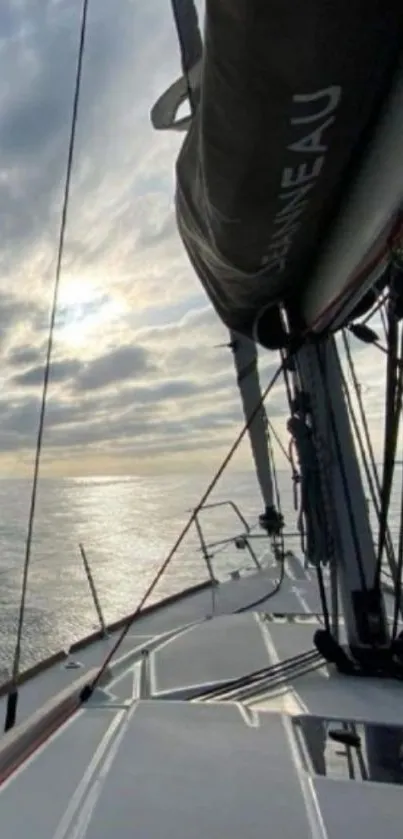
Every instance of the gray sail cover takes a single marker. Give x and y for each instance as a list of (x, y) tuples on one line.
[(290, 94)]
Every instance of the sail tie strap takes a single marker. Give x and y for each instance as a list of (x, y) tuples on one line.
[(187, 87)]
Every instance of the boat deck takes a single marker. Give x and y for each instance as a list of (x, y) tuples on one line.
[(140, 759), (298, 594)]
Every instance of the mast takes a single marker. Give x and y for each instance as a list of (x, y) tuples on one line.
[(321, 405), (245, 360)]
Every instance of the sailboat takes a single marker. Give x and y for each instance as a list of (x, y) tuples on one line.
[(268, 702)]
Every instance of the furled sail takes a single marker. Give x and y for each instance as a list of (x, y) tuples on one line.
[(289, 98)]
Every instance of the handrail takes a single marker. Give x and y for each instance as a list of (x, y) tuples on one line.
[(207, 558), (228, 503), (219, 542), (244, 536), (204, 549)]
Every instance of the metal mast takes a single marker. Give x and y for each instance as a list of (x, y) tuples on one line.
[(320, 404)]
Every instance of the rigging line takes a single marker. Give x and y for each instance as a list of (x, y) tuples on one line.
[(310, 513), (383, 319), (13, 695), (394, 390), (264, 684), (371, 484), (385, 351), (274, 590), (286, 376), (222, 545), (271, 670), (88, 689), (373, 480), (274, 469), (296, 473), (398, 582), (363, 416), (375, 309), (343, 475), (280, 669), (399, 570), (261, 687), (278, 441), (276, 537), (323, 598)]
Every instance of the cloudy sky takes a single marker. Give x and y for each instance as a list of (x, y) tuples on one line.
[(138, 383)]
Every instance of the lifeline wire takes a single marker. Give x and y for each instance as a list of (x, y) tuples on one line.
[(13, 695)]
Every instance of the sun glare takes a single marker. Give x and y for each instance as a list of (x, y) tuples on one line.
[(74, 292), (83, 309)]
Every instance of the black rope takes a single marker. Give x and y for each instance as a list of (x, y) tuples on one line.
[(286, 376), (277, 538), (373, 480), (278, 441), (274, 469), (307, 503), (356, 427), (89, 689), (12, 698), (398, 581), (323, 597), (276, 673), (378, 305), (384, 321), (343, 475), (274, 590), (363, 417), (394, 393)]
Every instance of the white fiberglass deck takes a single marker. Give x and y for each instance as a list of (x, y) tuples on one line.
[(162, 769), (298, 594), (138, 761)]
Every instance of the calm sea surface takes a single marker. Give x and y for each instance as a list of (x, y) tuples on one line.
[(127, 525)]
